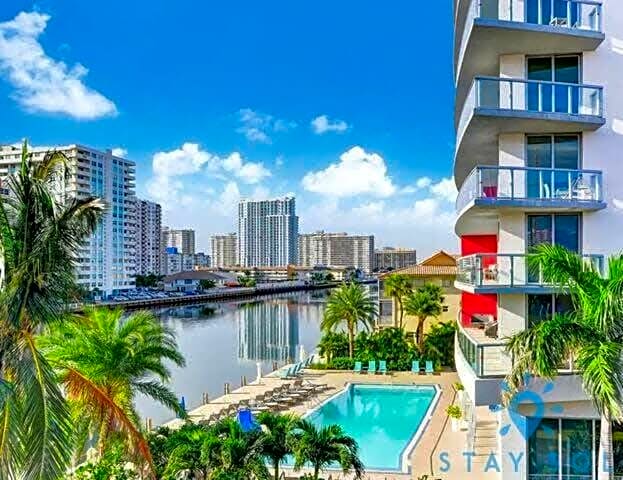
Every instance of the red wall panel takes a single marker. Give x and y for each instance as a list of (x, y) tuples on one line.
[(478, 303)]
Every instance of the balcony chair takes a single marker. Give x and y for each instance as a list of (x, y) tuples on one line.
[(491, 329)]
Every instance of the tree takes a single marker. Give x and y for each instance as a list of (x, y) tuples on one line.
[(232, 454), (349, 305), (103, 360), (246, 280), (41, 228), (324, 446), (398, 286), (148, 281), (277, 432), (206, 284), (591, 334), (178, 451), (426, 301)]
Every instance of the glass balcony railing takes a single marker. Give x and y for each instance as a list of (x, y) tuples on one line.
[(537, 96), (557, 185), (487, 358), (570, 14), (508, 270)]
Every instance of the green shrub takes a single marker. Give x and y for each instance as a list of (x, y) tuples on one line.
[(333, 345), (318, 366), (389, 344), (439, 344), (342, 363), (454, 411)]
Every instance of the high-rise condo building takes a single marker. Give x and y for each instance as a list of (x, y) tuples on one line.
[(336, 250), (538, 133), (106, 262), (390, 258), (267, 232), (224, 250), (148, 247), (182, 239)]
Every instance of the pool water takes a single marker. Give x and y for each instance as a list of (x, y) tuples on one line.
[(382, 418)]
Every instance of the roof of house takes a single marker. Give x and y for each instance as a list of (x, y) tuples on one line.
[(199, 275), (439, 264)]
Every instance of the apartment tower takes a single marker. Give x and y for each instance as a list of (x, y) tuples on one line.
[(148, 247), (268, 232), (106, 262), (390, 258), (224, 250), (337, 250), (183, 239), (538, 131)]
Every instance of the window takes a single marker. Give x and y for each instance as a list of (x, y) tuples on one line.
[(552, 151), (552, 12), (545, 97), (444, 308), (559, 229), (543, 307)]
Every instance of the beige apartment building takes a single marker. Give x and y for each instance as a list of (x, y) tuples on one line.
[(390, 258), (224, 250), (336, 249), (183, 240)]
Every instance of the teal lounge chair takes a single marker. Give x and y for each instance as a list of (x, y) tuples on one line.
[(429, 367), (383, 367), (415, 366), (285, 373), (357, 368), (372, 366)]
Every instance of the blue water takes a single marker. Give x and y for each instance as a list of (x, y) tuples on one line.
[(382, 418)]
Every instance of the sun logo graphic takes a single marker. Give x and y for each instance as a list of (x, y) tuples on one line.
[(533, 408)]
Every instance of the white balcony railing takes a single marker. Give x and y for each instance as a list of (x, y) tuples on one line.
[(569, 14), (538, 96), (508, 270), (527, 183), (486, 357)]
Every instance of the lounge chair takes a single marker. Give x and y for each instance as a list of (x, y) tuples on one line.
[(372, 366), (383, 367), (357, 368), (429, 367), (415, 366), (285, 373)]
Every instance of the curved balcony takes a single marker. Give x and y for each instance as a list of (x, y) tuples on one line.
[(507, 273), (508, 105), (486, 29)]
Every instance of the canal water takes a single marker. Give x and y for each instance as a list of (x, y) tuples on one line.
[(224, 341)]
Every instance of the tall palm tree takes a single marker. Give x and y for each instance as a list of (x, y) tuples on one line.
[(426, 301), (349, 305), (232, 454), (398, 286), (41, 228), (591, 334), (324, 446), (277, 431), (182, 452), (104, 360)]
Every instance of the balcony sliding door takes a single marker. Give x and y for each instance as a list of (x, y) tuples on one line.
[(551, 152), (546, 97), (552, 12)]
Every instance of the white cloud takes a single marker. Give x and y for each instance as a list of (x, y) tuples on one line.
[(41, 83), (322, 124), (249, 172), (258, 127), (445, 189), (423, 182), (120, 152), (357, 172), (181, 161)]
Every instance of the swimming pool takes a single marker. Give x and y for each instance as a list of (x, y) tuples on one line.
[(386, 420)]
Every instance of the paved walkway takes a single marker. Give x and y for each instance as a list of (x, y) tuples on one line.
[(436, 445)]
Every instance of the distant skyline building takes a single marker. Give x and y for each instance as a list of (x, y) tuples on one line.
[(107, 259), (148, 238), (182, 239), (176, 262), (336, 249), (268, 232), (394, 258), (224, 250)]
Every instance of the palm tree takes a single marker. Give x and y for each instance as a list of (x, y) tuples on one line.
[(398, 286), (591, 334), (104, 360), (351, 305), (232, 454), (41, 228), (324, 446), (182, 451), (426, 301), (277, 431)]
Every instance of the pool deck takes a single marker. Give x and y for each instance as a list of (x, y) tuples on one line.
[(437, 437)]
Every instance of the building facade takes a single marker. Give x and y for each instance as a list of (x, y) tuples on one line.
[(106, 262), (182, 239), (336, 249), (224, 250), (538, 132), (439, 269), (390, 258), (268, 232), (176, 262), (148, 246)]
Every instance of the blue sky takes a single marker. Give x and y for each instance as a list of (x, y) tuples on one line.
[(347, 105)]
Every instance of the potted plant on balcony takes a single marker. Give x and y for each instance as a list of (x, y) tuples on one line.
[(460, 393), (455, 414)]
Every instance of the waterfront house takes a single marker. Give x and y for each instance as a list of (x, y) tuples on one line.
[(190, 281)]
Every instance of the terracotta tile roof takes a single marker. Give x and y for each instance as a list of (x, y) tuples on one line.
[(425, 271)]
